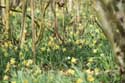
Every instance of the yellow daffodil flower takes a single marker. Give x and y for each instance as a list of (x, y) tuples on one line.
[(25, 81), (13, 82), (64, 49), (12, 61), (5, 77), (90, 78), (43, 49), (80, 80), (70, 72), (73, 60)]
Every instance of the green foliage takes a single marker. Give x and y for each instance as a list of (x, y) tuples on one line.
[(84, 46)]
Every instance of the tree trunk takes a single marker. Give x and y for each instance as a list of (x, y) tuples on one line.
[(111, 14)]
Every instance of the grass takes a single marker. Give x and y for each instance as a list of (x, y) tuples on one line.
[(73, 75)]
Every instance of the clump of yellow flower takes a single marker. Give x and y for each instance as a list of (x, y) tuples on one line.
[(71, 33), (94, 50), (79, 42), (51, 38), (94, 42), (64, 49), (50, 43), (28, 62), (90, 59), (96, 70), (13, 82), (70, 72), (21, 55), (90, 78), (15, 48), (37, 71), (5, 77), (35, 81), (6, 44), (102, 55), (28, 9), (25, 81), (43, 49), (56, 47), (7, 67), (97, 31), (10, 44), (89, 72), (12, 61), (69, 40), (26, 49), (79, 80), (73, 60), (80, 46)]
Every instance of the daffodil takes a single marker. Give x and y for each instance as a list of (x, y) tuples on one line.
[(97, 30), (77, 42), (79, 80), (70, 72), (12, 61), (20, 54), (94, 42), (35, 81), (7, 67), (51, 38), (13, 82), (96, 70), (90, 59), (49, 43), (80, 46), (102, 55), (28, 9), (56, 47), (89, 72), (43, 49), (25, 81), (73, 60), (88, 64), (64, 49), (5, 77), (15, 48), (29, 62), (90, 78), (6, 44), (94, 50), (37, 71), (10, 44), (71, 33)]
